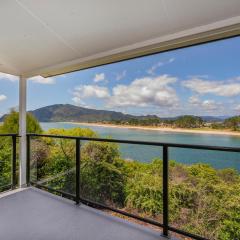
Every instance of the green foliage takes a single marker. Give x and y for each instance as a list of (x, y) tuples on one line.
[(144, 194), (216, 125), (210, 193), (5, 162), (233, 123), (188, 121), (230, 227), (203, 200), (102, 176), (11, 123), (78, 132), (154, 121), (56, 157)]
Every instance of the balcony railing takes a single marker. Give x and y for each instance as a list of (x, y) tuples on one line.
[(78, 198), (9, 141)]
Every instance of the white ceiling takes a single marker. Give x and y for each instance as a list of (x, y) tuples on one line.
[(41, 34)]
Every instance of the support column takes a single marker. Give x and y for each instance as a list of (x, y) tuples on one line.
[(22, 130)]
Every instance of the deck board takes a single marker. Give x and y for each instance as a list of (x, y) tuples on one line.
[(33, 214)]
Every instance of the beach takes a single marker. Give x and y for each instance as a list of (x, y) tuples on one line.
[(163, 129)]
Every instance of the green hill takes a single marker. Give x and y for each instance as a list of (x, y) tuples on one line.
[(72, 113)]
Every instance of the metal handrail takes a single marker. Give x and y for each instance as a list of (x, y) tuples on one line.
[(165, 147), (151, 143), (9, 135)]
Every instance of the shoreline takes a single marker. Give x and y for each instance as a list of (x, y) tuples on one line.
[(162, 129)]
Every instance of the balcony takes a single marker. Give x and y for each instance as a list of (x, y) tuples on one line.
[(45, 39), (35, 214), (59, 207)]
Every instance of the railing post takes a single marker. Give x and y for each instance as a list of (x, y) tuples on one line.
[(14, 161), (22, 131), (78, 158), (28, 159), (165, 191)]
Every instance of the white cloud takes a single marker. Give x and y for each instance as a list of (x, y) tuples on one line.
[(237, 108), (205, 76), (218, 88), (8, 77), (206, 105), (152, 70), (36, 79), (3, 97), (88, 91), (42, 80), (99, 77), (210, 105), (194, 100), (78, 101), (145, 92), (121, 75)]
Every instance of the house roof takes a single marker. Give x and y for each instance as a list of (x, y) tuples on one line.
[(52, 37)]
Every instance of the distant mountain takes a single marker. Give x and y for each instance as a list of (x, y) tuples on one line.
[(213, 118), (72, 113)]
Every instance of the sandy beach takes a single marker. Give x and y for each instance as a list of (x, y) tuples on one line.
[(163, 129)]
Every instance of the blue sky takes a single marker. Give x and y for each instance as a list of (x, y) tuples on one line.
[(199, 80)]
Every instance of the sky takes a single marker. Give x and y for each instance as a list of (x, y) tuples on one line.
[(200, 80)]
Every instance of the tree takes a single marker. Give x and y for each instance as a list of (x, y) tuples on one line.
[(188, 121), (11, 123), (233, 123), (56, 156), (5, 163), (216, 125), (102, 173)]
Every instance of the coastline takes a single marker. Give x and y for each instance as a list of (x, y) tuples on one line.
[(162, 129)]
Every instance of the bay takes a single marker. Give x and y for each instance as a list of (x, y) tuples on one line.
[(142, 153)]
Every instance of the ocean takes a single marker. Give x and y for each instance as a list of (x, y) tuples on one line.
[(142, 153)]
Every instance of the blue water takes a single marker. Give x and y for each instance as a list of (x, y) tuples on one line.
[(142, 153)]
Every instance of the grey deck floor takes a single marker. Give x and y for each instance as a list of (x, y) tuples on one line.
[(33, 214)]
